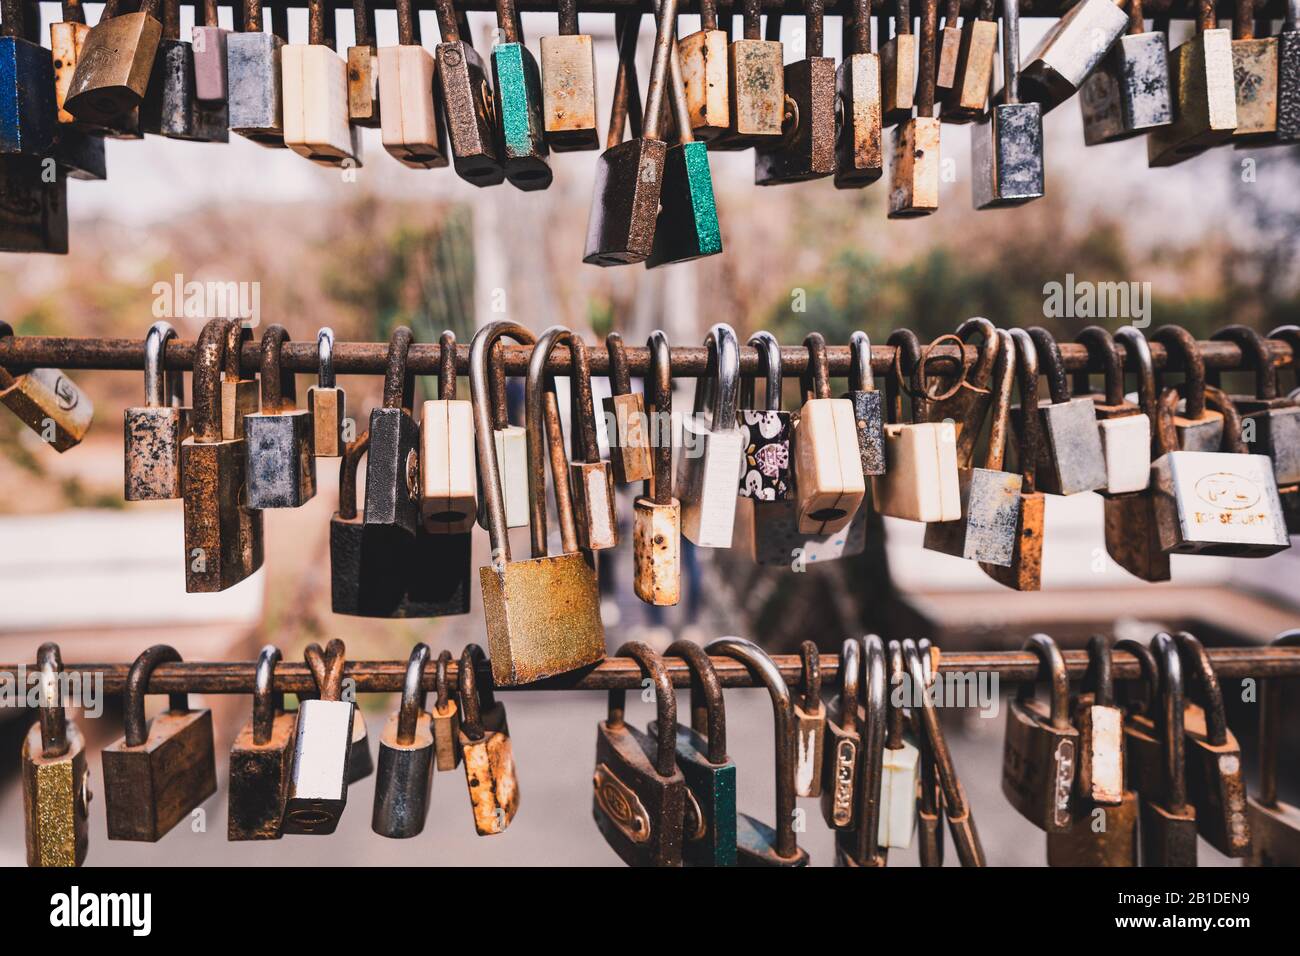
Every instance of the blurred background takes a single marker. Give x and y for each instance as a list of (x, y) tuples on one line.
[(384, 245)]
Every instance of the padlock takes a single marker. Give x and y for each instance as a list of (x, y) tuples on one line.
[(1128, 94), (1124, 428), (810, 725), (590, 478), (46, 400), (1026, 569), (393, 463), (260, 759), (1069, 51), (1288, 76), (281, 466), (1041, 748), (467, 103), (360, 763), (318, 780), (364, 105), (209, 42), (253, 68), (860, 845), (34, 217), (1219, 502), (990, 496), (542, 613), (1143, 759), (114, 65), (1273, 418), (1198, 428), (758, 844), (171, 107), (223, 536), (411, 127), (829, 483), (639, 793), (626, 426), (963, 399), (914, 164), (841, 765), (1007, 145), (713, 447), (569, 85), (709, 820), (518, 106), (446, 719), (964, 100), (898, 68), (28, 111), (510, 441), (162, 769), (448, 478), (1255, 75), (900, 764), (657, 517), (327, 403), (153, 433), (868, 408), (1215, 777), (1168, 823), (240, 396), (1203, 88), (921, 483), (768, 470), (78, 154), (806, 149), (756, 84), (67, 37), (945, 70), (927, 792), (485, 748), (56, 779), (629, 177), (78, 147), (1274, 825), (406, 758), (859, 160), (704, 72), (1071, 458), (314, 96), (687, 225)]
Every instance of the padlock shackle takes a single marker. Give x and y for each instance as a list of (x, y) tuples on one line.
[(1099, 678), (769, 366), (625, 108), (544, 436), (1211, 694), (447, 366), (1150, 677), (620, 380), (903, 18), (266, 700), (137, 680), (708, 709), (318, 29), (653, 668), (363, 22), (894, 715), (399, 385), (499, 386), (236, 335), (348, 475), (441, 689), (567, 15), (484, 439), (1243, 20), (858, 30), (474, 699), (659, 400), (278, 394), (1270, 726), (1173, 748), (408, 24), (13, 19), (51, 716), (1139, 353), (954, 797), (751, 19), (1101, 351), (1255, 350), (161, 387), (325, 351), (814, 12), (448, 25), (1136, 24), (584, 444), (764, 669), (327, 668), (677, 88), (1051, 364), (958, 384), (850, 682), (716, 394), (875, 705), (209, 357), (816, 379), (1029, 437), (927, 58), (861, 377), (811, 679), (1011, 51), (666, 29), (1290, 334), (906, 343), (1181, 343), (412, 705), (72, 11), (252, 16), (1000, 414), (1216, 399), (1051, 666)]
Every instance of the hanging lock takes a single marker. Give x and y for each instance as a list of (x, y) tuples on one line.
[(1168, 821), (1273, 419), (115, 63), (569, 85), (1070, 50), (510, 441), (56, 779), (1041, 747), (900, 764), (255, 75), (281, 466), (590, 476), (1255, 65), (485, 748), (868, 408), (898, 66), (965, 98), (829, 482), (1204, 93), (626, 426), (36, 220), (28, 111), (327, 403), (657, 517), (713, 447), (1007, 144), (756, 84), (364, 105), (768, 471), (1071, 460), (239, 395), (860, 845), (467, 103), (806, 149), (393, 463), (1124, 428), (46, 400), (260, 760), (704, 74), (411, 127), (914, 168), (210, 43), (171, 105), (406, 758), (1128, 94), (859, 160), (153, 433), (446, 719), (810, 725), (318, 782), (840, 768), (1274, 825), (315, 95), (448, 477), (1288, 75), (518, 109)]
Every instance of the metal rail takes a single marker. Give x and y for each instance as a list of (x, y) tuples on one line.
[(369, 358), (236, 677)]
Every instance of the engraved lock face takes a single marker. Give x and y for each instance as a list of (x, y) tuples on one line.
[(46, 400), (1217, 503), (1129, 93), (1007, 156), (569, 92), (255, 87), (639, 812), (1038, 766), (859, 158), (113, 69)]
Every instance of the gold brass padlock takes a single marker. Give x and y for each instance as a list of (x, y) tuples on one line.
[(56, 780), (115, 64)]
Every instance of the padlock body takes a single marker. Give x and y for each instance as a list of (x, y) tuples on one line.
[(1038, 766), (1274, 834), (1254, 66), (55, 794), (569, 92), (520, 132), (1116, 845), (829, 482), (900, 776), (364, 106), (36, 220), (446, 735), (627, 428), (1070, 51), (964, 101), (1133, 536), (859, 158), (360, 763), (378, 572), (1216, 787), (209, 43), (448, 478), (809, 750), (768, 533), (869, 417), (768, 470), (328, 409), (1126, 448), (703, 56), (921, 483), (80, 154), (840, 772), (656, 551), (1277, 435), (1205, 102), (259, 780), (1217, 503), (113, 68), (471, 119), (314, 94), (687, 226), (44, 399), (592, 486), (255, 100), (755, 69), (281, 466), (152, 458), (990, 507), (543, 617), (625, 203), (223, 537), (490, 773), (1100, 779), (639, 813), (710, 839), (411, 127), (897, 79), (1168, 836), (1071, 459), (171, 106), (66, 40), (512, 463), (318, 781), (707, 471), (807, 148), (1025, 572), (151, 788), (28, 111), (1007, 156), (392, 470), (239, 397), (1288, 85), (404, 780), (1128, 94), (914, 168)]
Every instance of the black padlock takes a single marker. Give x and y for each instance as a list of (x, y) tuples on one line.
[(260, 760), (392, 465), (406, 752)]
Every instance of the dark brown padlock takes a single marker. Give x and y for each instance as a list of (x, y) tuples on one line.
[(260, 759), (1274, 825), (467, 103), (1168, 819), (114, 65), (1041, 747), (806, 149)]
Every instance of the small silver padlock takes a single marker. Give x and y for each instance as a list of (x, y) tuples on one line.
[(1071, 459)]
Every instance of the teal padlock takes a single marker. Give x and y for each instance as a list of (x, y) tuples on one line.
[(518, 88)]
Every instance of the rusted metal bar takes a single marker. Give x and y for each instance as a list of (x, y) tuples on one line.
[(369, 358), (236, 677)]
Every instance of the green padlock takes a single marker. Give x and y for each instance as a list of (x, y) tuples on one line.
[(518, 86)]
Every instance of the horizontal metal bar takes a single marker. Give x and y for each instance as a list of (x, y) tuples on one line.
[(369, 358), (236, 677)]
